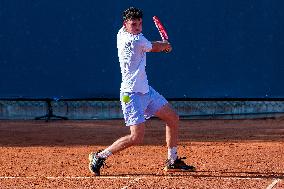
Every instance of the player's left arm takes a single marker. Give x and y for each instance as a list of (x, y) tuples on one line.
[(161, 46)]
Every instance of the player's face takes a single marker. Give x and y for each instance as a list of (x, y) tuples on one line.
[(133, 26)]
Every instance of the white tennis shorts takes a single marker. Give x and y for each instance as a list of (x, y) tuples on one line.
[(140, 107)]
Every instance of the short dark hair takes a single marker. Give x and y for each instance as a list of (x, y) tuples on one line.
[(132, 13)]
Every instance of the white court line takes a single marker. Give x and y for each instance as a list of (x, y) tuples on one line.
[(273, 183)]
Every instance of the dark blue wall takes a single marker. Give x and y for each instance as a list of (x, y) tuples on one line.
[(67, 48)]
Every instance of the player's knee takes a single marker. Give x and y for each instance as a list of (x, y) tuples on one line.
[(137, 134), (173, 120), (136, 139), (176, 118)]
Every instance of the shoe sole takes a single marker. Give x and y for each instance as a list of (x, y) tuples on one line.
[(91, 156)]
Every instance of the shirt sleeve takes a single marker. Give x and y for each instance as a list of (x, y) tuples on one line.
[(144, 44)]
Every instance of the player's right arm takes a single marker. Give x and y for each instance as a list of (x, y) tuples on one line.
[(160, 46), (154, 46)]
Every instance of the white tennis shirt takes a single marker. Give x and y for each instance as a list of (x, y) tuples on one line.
[(132, 58)]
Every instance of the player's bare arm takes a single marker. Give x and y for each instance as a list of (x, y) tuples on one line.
[(160, 46)]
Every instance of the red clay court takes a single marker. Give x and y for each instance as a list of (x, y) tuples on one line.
[(227, 154)]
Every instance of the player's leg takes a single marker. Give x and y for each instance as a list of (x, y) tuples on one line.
[(173, 163), (135, 137), (168, 114), (133, 110), (160, 107)]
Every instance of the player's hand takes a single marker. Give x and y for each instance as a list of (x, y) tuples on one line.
[(168, 47)]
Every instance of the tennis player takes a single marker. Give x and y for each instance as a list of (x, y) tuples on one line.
[(140, 101)]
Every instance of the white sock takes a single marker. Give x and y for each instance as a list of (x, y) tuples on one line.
[(172, 154), (104, 154)]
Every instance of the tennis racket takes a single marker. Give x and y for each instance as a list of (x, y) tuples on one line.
[(161, 28)]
